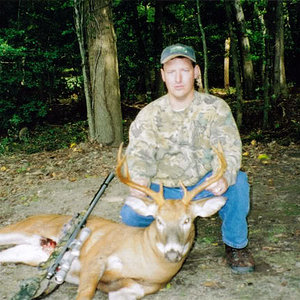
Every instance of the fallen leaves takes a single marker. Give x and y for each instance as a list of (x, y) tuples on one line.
[(270, 249), (264, 158), (79, 161), (213, 284)]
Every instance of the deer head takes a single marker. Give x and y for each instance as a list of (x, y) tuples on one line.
[(174, 226)]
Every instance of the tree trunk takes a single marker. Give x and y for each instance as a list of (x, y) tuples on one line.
[(248, 73), (79, 21), (158, 45), (139, 29), (103, 70), (204, 48), (280, 87), (235, 62), (265, 66), (226, 64), (199, 81)]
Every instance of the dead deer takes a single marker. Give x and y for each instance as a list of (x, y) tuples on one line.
[(125, 262)]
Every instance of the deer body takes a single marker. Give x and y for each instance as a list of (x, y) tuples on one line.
[(125, 262)]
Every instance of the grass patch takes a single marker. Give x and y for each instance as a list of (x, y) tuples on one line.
[(291, 209), (274, 234)]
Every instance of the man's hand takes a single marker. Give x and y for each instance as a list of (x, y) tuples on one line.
[(219, 187)]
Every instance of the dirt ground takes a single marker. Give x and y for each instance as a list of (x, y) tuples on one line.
[(65, 181)]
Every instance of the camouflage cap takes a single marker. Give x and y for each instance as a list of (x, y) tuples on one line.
[(177, 50)]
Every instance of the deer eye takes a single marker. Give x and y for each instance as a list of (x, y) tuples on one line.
[(187, 221), (159, 222)]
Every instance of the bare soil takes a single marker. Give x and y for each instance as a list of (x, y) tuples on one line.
[(65, 181)]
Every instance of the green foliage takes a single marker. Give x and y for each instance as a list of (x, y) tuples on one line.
[(45, 138), (136, 27), (36, 45), (40, 65)]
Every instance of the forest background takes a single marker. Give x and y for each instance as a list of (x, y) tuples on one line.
[(49, 51), (74, 74)]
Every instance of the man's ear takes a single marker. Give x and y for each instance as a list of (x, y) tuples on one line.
[(162, 72), (196, 71)]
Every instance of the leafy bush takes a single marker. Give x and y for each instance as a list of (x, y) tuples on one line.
[(34, 54)]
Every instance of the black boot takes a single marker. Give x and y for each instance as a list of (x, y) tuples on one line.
[(239, 260)]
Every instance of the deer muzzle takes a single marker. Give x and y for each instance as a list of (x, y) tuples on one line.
[(173, 252), (173, 256)]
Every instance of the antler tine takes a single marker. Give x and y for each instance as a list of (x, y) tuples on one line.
[(189, 195), (121, 161)]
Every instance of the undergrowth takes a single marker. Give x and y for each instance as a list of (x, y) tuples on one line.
[(43, 138), (284, 127)]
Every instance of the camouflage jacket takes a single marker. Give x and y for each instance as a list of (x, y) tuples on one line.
[(167, 146)]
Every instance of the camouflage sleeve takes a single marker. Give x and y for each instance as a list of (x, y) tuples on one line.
[(142, 147), (225, 131)]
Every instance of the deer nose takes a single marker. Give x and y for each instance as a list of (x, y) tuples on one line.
[(173, 256)]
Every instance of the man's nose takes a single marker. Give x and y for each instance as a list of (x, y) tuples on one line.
[(178, 77)]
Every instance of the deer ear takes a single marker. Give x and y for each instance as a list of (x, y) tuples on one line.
[(144, 207), (207, 207)]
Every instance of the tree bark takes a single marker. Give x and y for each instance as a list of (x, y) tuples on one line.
[(265, 66), (199, 82), (104, 75), (206, 89), (139, 28), (79, 21), (248, 73), (226, 64), (237, 75), (158, 45), (280, 87)]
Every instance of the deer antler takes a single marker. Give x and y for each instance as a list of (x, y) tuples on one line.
[(121, 161), (189, 195), (158, 196)]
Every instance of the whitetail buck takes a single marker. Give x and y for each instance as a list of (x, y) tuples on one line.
[(125, 262)]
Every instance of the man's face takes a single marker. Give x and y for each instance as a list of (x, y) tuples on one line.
[(179, 76)]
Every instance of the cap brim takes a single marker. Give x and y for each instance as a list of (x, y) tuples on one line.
[(176, 55)]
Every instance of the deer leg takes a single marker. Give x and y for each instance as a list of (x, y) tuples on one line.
[(90, 273), (134, 290), (26, 254), (131, 290), (19, 239), (128, 289), (30, 249)]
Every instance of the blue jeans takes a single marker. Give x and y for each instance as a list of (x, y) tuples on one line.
[(233, 213)]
